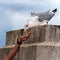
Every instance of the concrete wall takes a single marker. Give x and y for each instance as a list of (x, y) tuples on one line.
[(42, 51), (43, 44), (50, 33), (4, 52), (11, 36)]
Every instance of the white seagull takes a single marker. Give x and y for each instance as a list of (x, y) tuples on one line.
[(38, 19)]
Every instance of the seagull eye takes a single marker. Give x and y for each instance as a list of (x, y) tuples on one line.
[(26, 25)]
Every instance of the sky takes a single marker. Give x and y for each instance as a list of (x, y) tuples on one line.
[(14, 14)]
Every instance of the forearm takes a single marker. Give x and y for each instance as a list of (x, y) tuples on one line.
[(13, 52)]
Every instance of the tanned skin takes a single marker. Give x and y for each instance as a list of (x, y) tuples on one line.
[(13, 52)]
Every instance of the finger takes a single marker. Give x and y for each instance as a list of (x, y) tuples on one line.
[(25, 36), (23, 39)]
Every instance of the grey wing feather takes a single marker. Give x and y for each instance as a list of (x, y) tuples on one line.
[(46, 15)]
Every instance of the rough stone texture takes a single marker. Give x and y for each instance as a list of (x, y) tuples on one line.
[(38, 34), (28, 53), (11, 36), (42, 51), (43, 44), (48, 53), (4, 52), (36, 51)]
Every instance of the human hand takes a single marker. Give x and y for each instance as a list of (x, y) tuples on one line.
[(24, 37)]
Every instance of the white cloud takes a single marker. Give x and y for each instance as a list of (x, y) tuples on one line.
[(18, 19), (54, 1), (14, 19), (32, 2), (16, 1), (55, 20)]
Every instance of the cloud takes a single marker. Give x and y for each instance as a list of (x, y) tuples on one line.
[(54, 2), (20, 1), (31, 2), (55, 20), (18, 20)]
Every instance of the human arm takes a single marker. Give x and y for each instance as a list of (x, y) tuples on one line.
[(13, 52)]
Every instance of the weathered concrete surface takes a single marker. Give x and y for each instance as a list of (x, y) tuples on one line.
[(38, 34), (43, 44), (11, 36), (48, 53), (4, 52), (35, 51), (41, 51)]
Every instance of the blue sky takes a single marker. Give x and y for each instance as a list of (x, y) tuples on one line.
[(14, 14)]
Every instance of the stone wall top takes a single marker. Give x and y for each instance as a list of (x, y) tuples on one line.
[(46, 33)]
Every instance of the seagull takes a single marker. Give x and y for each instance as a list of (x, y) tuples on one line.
[(38, 19), (45, 15)]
